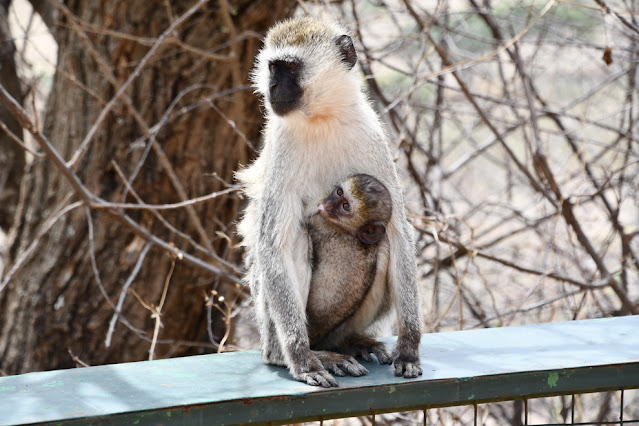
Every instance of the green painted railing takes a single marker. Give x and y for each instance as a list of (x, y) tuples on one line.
[(463, 367)]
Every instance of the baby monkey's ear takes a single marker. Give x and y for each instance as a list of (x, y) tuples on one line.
[(371, 232)]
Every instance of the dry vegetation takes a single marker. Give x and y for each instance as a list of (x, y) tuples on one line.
[(515, 124)]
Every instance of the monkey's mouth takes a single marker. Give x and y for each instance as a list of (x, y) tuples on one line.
[(326, 212), (283, 107)]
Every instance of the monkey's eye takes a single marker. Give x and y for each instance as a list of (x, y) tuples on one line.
[(346, 207), (271, 67), (292, 66), (340, 192)]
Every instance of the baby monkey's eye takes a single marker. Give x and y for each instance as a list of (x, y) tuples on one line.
[(346, 207), (340, 192)]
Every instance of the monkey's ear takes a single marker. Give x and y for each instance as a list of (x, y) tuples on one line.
[(371, 232), (347, 50)]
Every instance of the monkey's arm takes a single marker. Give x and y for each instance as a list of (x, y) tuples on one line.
[(284, 265), (405, 289), (289, 320)]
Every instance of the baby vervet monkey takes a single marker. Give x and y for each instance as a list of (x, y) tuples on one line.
[(320, 129), (349, 290)]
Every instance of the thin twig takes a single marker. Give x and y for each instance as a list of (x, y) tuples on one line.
[(106, 205), (157, 311), (17, 140), (96, 273), (125, 288)]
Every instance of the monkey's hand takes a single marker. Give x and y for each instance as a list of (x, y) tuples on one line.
[(339, 364), (363, 346), (406, 361)]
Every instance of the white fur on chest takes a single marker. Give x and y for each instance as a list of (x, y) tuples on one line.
[(322, 153)]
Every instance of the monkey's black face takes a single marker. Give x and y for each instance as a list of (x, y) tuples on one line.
[(285, 93)]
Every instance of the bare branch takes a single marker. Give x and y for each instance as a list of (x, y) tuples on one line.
[(159, 42), (92, 201)]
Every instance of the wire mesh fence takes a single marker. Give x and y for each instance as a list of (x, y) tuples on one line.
[(619, 407)]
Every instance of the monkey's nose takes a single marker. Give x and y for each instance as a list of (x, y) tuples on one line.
[(324, 211)]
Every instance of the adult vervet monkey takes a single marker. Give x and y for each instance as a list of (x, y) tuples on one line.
[(320, 129)]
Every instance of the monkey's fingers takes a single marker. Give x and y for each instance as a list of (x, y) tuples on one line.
[(318, 378)]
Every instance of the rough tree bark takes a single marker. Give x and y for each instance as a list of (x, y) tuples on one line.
[(12, 157), (52, 306)]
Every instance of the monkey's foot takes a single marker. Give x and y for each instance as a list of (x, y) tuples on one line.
[(364, 346), (306, 367), (339, 364), (318, 378)]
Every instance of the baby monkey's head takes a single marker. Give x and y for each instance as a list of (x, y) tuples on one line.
[(361, 206)]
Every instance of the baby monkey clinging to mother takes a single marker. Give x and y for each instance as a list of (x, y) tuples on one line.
[(349, 290)]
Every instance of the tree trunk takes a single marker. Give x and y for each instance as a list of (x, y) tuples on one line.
[(12, 158), (53, 311)]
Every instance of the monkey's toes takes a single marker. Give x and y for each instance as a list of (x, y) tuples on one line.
[(319, 378), (354, 368), (334, 369), (364, 353), (340, 364), (383, 357), (348, 365), (379, 350)]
